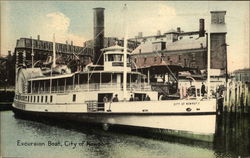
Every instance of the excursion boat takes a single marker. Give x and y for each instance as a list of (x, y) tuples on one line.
[(111, 95)]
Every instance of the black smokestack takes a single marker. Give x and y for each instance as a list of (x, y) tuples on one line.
[(202, 28), (98, 35)]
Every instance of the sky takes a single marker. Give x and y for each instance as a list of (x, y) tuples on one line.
[(73, 21)]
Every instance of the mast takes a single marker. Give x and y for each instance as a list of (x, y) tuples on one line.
[(208, 63), (32, 53), (54, 52), (125, 55)]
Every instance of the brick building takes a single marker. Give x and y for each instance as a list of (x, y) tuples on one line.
[(111, 41), (185, 49), (65, 53)]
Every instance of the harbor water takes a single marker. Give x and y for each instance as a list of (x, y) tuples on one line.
[(28, 138)]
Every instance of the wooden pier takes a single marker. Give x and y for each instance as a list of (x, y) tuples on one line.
[(237, 97)]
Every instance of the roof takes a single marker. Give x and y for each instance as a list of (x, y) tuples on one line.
[(188, 43), (171, 31), (144, 48), (183, 44), (51, 77), (31, 73), (114, 48)]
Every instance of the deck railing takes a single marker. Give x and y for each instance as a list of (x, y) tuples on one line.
[(93, 87)]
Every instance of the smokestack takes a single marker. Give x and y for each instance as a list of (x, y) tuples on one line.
[(98, 35), (202, 28)]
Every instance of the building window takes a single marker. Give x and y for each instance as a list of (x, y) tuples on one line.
[(221, 20), (185, 62), (51, 98), (155, 59), (193, 56), (74, 97), (135, 60), (179, 57), (46, 99), (168, 58), (145, 60)]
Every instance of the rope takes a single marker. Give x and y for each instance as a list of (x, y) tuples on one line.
[(99, 56), (157, 53)]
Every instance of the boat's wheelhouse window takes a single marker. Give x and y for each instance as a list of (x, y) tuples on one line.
[(114, 57)]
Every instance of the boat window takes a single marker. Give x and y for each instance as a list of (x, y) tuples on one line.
[(51, 98), (115, 57), (28, 98), (34, 97), (74, 97), (110, 58), (46, 99), (118, 57), (38, 99), (41, 98)]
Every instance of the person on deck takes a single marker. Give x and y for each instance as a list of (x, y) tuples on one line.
[(115, 99), (131, 98), (105, 99), (147, 98), (203, 89)]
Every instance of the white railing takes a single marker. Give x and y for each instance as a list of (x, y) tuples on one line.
[(93, 87)]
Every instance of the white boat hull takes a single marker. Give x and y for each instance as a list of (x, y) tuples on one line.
[(183, 117)]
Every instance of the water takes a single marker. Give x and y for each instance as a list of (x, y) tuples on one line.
[(232, 140)]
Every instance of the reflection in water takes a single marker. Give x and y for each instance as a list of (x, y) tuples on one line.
[(232, 139)]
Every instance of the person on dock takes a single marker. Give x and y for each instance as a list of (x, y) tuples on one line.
[(115, 99)]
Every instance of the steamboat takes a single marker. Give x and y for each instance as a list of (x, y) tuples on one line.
[(110, 94)]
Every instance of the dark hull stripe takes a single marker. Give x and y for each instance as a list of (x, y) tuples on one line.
[(123, 113)]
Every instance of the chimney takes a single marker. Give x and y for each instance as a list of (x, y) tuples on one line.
[(158, 33), (140, 34), (98, 35), (178, 29), (38, 37), (202, 28)]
